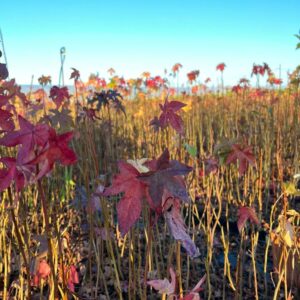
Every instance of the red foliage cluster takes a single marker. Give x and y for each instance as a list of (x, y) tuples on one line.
[(154, 82), (39, 146), (176, 67), (163, 174), (274, 81), (221, 67), (162, 187), (261, 70), (192, 76)]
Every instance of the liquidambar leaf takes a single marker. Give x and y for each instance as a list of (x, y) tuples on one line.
[(164, 286), (130, 206), (246, 213), (192, 151), (193, 294), (171, 210), (242, 154), (165, 174)]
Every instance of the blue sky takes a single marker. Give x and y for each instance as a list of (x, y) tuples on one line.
[(137, 36)]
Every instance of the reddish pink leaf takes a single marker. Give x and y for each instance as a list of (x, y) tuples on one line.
[(164, 286), (221, 67), (243, 155), (129, 207), (6, 177), (169, 116), (198, 286), (246, 213), (3, 98), (176, 67), (56, 149), (173, 106), (29, 136), (193, 294), (73, 278), (193, 75), (42, 272), (58, 95)]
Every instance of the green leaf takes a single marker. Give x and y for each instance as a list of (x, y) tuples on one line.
[(297, 36), (290, 188), (192, 151), (298, 46)]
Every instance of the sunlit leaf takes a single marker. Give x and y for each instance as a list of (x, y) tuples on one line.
[(192, 151), (290, 188)]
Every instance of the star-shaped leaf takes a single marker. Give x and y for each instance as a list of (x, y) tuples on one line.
[(246, 213), (169, 116), (165, 174), (243, 155), (59, 95), (56, 149), (28, 136), (130, 206)]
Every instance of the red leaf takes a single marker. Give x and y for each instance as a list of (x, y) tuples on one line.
[(193, 75), (243, 155), (6, 176), (73, 278), (174, 106), (42, 272), (246, 213), (56, 149), (164, 174), (28, 136), (176, 67), (129, 207), (164, 286), (193, 294), (16, 171), (58, 95), (169, 116), (221, 67)]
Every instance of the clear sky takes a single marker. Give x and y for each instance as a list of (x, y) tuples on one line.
[(137, 36)]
